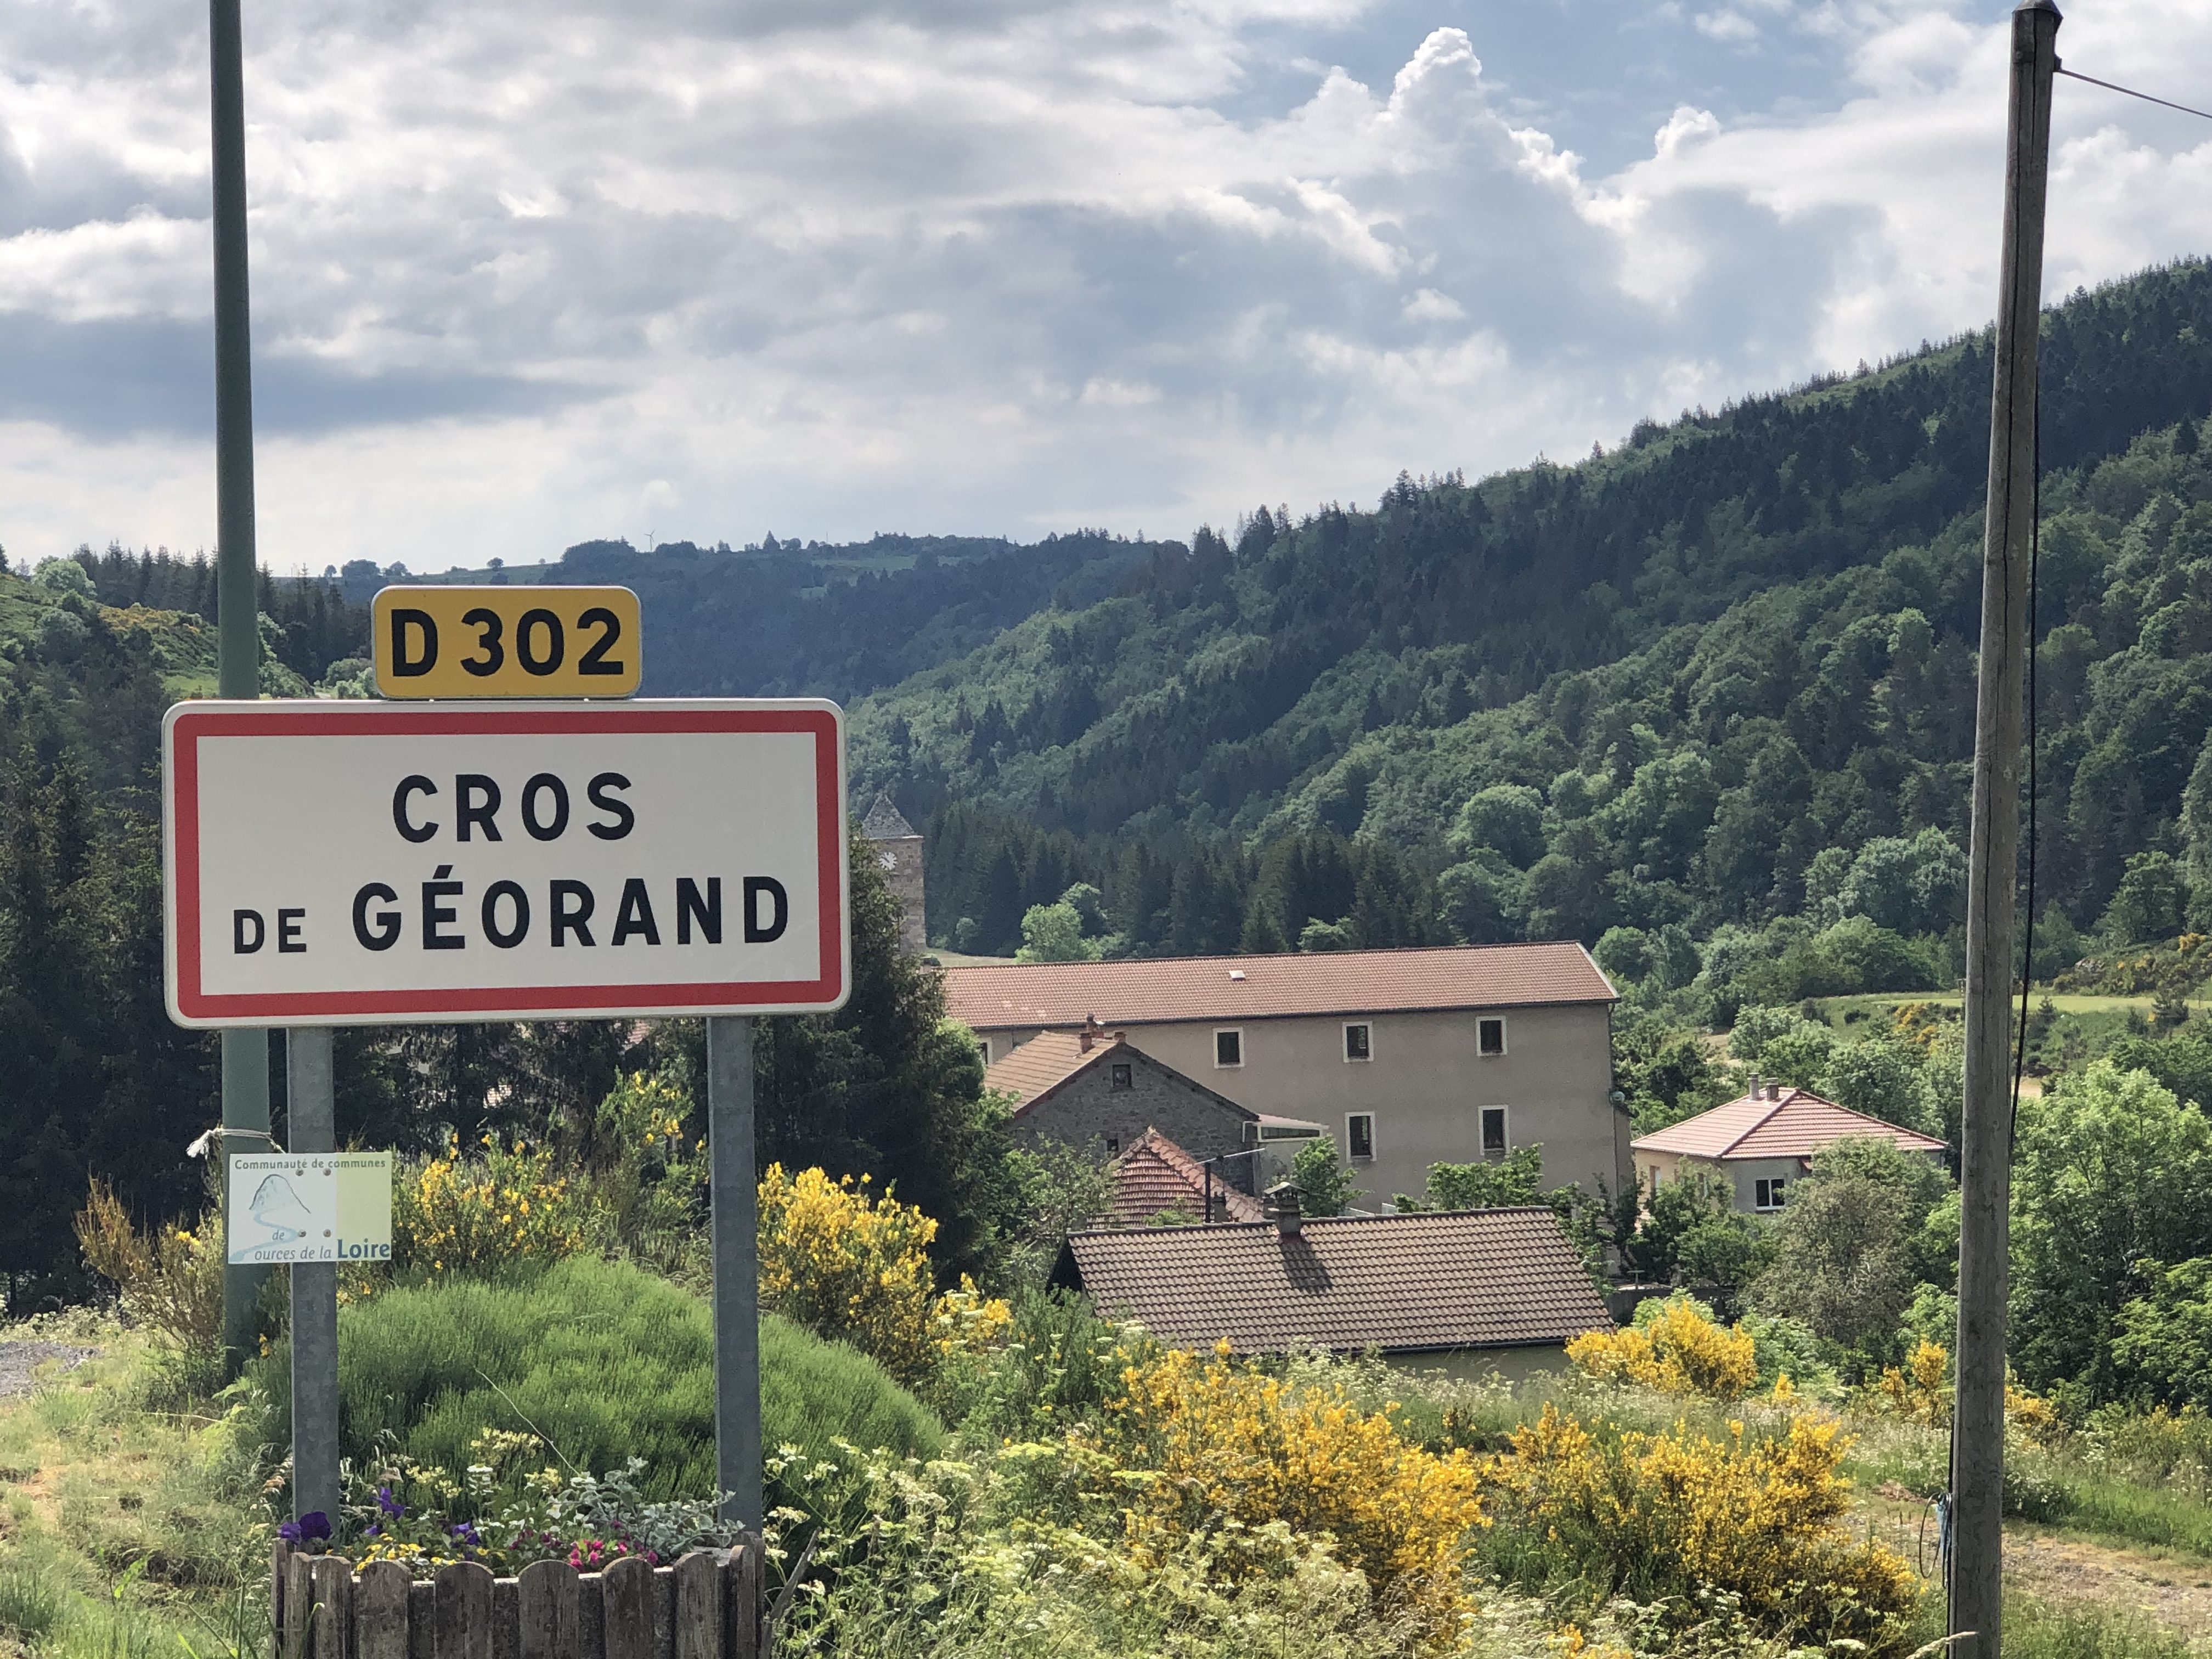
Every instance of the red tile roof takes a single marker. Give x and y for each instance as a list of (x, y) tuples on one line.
[(1778, 1124), (1155, 990), (1474, 1279), (1155, 1175)]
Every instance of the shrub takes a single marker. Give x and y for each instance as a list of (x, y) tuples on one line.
[(488, 1210), (855, 1268), (648, 1181), (1678, 1349), (1325, 1185), (1921, 1392), (1660, 1518), (847, 1264), (1057, 1365), (1517, 1179), (170, 1280), (600, 1359), (1232, 1452)]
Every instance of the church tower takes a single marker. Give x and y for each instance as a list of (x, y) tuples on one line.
[(898, 854)]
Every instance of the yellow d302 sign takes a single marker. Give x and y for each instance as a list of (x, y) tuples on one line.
[(507, 641)]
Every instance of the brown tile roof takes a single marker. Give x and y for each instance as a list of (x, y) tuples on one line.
[(1475, 1279), (1041, 1065), (1157, 990), (1155, 1175), (1780, 1123)]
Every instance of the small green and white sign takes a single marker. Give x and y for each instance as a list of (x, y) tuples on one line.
[(310, 1206)]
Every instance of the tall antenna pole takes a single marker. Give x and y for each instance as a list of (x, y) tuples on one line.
[(245, 1054), (1975, 1560)]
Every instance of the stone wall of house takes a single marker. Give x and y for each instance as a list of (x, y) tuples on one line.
[(1089, 1112)]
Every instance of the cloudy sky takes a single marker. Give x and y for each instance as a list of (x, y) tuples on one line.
[(527, 274)]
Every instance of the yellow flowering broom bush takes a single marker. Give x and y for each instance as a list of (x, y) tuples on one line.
[(490, 1208), (648, 1178), (1209, 1445), (169, 1278), (1658, 1517), (1920, 1392), (1681, 1351), (855, 1267)]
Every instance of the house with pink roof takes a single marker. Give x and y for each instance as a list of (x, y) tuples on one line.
[(1760, 1143)]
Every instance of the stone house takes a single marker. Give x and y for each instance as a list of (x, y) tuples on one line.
[(1407, 1058), (1761, 1142), (1095, 1090)]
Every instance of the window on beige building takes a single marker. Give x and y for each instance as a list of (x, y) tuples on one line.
[(1767, 1195), (1227, 1047), (1494, 1132), (1489, 1035), (1358, 1041), (1359, 1134)]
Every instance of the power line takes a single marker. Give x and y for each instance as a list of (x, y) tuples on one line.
[(2130, 92)]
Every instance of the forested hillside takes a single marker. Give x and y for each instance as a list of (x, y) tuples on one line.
[(1680, 686), (838, 620), (1704, 701)]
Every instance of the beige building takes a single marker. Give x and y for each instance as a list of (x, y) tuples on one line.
[(1409, 1058), (1759, 1144)]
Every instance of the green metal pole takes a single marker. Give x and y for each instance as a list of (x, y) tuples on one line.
[(245, 1054)]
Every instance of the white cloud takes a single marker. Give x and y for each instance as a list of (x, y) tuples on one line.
[(1726, 25), (528, 275), (1427, 305)]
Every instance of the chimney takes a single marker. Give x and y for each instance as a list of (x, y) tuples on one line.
[(1754, 1086), (1089, 1034), (1284, 1209)]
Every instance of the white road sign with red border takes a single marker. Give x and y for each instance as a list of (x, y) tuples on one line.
[(342, 863)]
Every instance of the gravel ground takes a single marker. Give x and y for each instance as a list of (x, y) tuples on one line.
[(19, 1359)]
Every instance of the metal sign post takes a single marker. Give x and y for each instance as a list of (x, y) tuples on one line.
[(734, 1197), (245, 1052), (308, 1080)]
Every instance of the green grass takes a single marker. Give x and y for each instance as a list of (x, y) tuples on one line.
[(34, 1599), (2034, 1631), (603, 1360), (2105, 1507)]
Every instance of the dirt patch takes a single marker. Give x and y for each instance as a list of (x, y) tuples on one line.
[(20, 1362), (2175, 1590)]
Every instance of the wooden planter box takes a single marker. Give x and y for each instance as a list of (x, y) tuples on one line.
[(708, 1606)]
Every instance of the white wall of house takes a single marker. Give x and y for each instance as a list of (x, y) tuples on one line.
[(1425, 1085), (1742, 1176), (1739, 1177)]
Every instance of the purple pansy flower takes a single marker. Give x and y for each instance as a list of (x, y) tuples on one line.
[(314, 1524)]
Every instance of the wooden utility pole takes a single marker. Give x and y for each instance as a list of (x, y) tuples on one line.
[(1976, 1583), (238, 641)]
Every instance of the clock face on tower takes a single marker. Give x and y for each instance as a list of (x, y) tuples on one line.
[(888, 859)]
